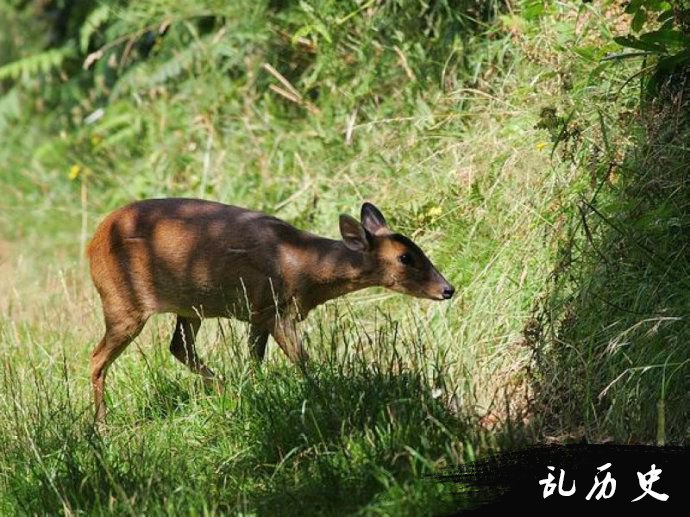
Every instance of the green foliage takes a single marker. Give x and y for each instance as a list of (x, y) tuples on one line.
[(660, 29), (94, 21), (35, 64), (606, 329)]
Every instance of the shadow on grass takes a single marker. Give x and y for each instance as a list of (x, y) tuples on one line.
[(359, 429), (343, 441), (339, 440), (611, 338)]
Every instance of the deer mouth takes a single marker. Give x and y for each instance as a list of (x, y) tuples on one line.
[(446, 293)]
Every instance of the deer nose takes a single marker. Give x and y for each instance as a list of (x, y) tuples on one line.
[(448, 292)]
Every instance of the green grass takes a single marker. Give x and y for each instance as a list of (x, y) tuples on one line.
[(559, 331), (622, 326), (360, 429)]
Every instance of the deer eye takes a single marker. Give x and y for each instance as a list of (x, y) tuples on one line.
[(405, 259)]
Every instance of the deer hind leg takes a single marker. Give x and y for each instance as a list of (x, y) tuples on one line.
[(182, 346), (118, 334)]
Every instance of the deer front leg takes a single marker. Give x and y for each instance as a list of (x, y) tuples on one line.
[(257, 343), (285, 333)]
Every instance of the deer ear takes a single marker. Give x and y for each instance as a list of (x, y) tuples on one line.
[(354, 234), (373, 220)]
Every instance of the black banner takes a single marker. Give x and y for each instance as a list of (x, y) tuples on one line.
[(581, 477)]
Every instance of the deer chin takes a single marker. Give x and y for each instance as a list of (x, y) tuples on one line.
[(435, 296), (417, 294)]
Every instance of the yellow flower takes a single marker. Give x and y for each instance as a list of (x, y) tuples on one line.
[(74, 171), (541, 146), (434, 211), (95, 140)]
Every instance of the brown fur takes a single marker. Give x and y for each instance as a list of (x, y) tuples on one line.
[(200, 259)]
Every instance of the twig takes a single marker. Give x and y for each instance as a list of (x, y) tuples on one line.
[(404, 64), (349, 129), (275, 73), (588, 233), (290, 93)]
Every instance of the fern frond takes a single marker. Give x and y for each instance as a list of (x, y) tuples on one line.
[(35, 64), (148, 75), (93, 22), (121, 122)]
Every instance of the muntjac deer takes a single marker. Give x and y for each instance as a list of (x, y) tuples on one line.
[(200, 259)]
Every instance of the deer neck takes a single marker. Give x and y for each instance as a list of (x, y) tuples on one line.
[(328, 270)]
